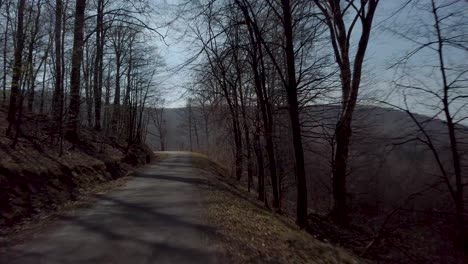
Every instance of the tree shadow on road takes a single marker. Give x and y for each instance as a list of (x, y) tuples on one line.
[(121, 222)]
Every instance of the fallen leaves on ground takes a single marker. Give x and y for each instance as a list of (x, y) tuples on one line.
[(253, 234)]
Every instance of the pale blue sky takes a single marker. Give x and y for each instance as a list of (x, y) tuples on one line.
[(385, 48)]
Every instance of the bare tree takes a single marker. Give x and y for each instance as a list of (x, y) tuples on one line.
[(341, 34), (75, 77), (445, 96), (291, 90), (58, 95), (5, 49), (98, 64), (17, 68), (157, 116)]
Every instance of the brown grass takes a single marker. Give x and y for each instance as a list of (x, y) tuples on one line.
[(252, 234)]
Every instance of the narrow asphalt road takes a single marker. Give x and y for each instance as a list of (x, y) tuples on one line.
[(156, 217)]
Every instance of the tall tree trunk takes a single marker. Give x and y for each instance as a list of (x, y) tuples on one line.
[(238, 149), (63, 63), (116, 110), (107, 102), (301, 212), (235, 127), (237, 136), (75, 77), (190, 123), (343, 137), (17, 67), (246, 131), (57, 101), (30, 77), (127, 100), (258, 70), (350, 74), (161, 128), (207, 130), (5, 51), (197, 138), (267, 117), (87, 86), (44, 75), (260, 163), (32, 74), (140, 113), (98, 67), (247, 142), (451, 129)]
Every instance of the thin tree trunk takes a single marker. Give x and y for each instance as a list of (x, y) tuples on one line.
[(260, 162), (57, 102), (459, 197), (268, 127), (248, 145), (116, 111), (161, 128), (237, 134), (301, 212), (44, 75), (30, 81), (87, 85), (98, 67), (17, 67), (107, 102), (31, 73), (260, 89), (127, 101), (5, 51)]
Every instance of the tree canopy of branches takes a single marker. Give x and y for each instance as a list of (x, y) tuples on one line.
[(285, 78), (251, 61), (96, 54)]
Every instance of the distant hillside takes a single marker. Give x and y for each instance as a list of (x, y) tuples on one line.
[(384, 153)]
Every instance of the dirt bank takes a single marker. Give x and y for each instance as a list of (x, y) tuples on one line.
[(41, 172)]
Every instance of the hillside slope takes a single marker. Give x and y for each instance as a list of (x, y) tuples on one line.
[(41, 172), (386, 163)]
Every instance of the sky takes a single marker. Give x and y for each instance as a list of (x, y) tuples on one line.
[(385, 49)]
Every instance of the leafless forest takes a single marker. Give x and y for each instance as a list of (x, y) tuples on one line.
[(82, 63), (278, 94)]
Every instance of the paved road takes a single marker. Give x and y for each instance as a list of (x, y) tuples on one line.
[(156, 217)]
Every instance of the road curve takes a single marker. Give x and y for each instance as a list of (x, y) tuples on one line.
[(156, 217)]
